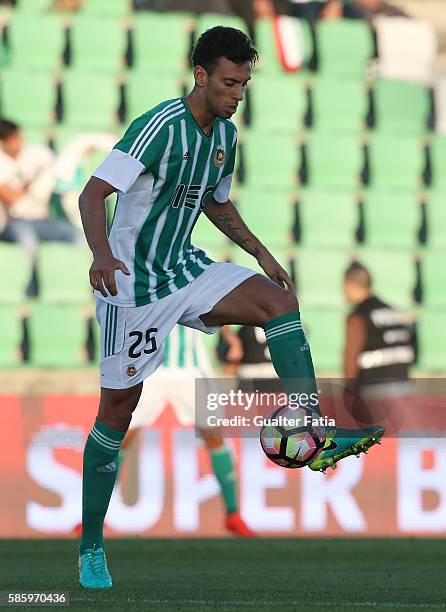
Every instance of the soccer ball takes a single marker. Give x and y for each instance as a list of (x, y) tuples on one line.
[(289, 438)]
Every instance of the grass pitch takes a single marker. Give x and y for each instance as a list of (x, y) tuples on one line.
[(222, 575)]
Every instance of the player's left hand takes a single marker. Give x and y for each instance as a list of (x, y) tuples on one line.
[(275, 272)]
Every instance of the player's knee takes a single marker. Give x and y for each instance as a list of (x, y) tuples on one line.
[(281, 303), (116, 406)]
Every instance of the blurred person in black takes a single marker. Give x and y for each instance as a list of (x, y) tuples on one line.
[(379, 349), (244, 353)]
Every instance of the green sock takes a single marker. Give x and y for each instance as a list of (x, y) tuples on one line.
[(224, 471), (291, 356), (100, 469)]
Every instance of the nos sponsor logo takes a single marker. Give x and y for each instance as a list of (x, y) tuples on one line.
[(189, 196)]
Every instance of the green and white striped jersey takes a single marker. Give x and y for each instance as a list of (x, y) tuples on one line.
[(183, 348), (165, 168)]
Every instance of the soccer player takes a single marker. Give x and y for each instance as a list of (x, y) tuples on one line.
[(185, 359), (174, 162)]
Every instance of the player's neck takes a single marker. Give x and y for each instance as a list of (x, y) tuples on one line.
[(202, 115)]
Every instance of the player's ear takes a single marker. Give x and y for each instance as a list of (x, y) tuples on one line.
[(201, 76)]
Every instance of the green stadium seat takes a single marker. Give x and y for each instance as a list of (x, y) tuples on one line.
[(278, 102), (433, 276), (266, 45), (327, 219), (65, 134), (401, 107), (63, 273), (271, 161), (210, 20), (106, 8), (269, 215), (344, 47), (393, 274), (319, 276), (396, 163), (324, 329), (145, 90), (14, 272), (392, 220), (35, 110), (339, 105), (33, 6), (333, 162), (57, 336), (3, 48), (98, 43), (36, 42), (11, 334), (36, 135), (206, 236), (90, 101), (90, 163), (242, 258), (438, 156), (431, 340), (161, 42), (436, 220)]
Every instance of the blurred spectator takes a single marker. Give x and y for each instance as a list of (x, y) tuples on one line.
[(328, 9), (27, 179), (81, 150), (378, 343), (67, 5), (245, 353)]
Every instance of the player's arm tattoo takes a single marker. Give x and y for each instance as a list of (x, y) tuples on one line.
[(237, 233)]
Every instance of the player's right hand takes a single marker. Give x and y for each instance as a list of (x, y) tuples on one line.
[(102, 274)]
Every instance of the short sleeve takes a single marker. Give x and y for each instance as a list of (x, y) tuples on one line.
[(223, 189), (138, 151)]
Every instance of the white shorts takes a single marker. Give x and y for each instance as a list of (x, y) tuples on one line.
[(175, 386), (132, 338)]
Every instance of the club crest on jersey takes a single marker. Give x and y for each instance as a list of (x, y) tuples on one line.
[(220, 157)]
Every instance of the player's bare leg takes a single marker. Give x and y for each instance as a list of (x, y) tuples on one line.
[(254, 302), (223, 468), (259, 301), (99, 475)]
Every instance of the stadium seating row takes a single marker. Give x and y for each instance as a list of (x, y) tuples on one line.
[(94, 7), (56, 336), (392, 107), (404, 277), (334, 162), (47, 41), (326, 219)]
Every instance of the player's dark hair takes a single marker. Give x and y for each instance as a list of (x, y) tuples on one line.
[(223, 42), (359, 274), (7, 128)]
